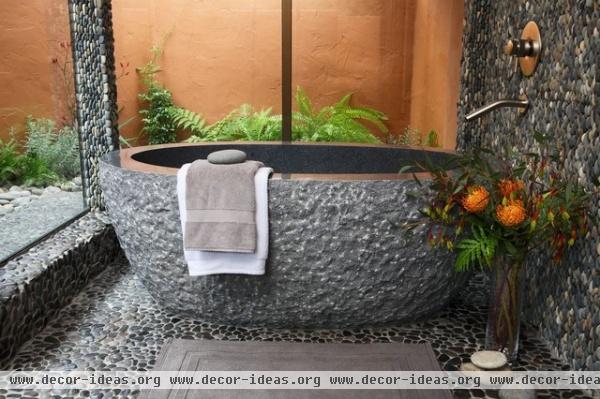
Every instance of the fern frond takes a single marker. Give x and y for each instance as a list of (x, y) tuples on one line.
[(188, 120), (304, 104), (370, 115), (345, 101), (337, 122), (476, 251)]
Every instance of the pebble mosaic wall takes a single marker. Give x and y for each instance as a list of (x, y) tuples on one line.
[(93, 59), (564, 302)]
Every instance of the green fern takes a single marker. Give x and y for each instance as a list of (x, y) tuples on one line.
[(188, 120), (432, 139), (339, 122), (304, 104), (476, 251), (245, 124)]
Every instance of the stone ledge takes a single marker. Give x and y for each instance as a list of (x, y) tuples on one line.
[(37, 284)]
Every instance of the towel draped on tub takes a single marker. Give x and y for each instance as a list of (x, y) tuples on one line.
[(247, 261), (221, 207)]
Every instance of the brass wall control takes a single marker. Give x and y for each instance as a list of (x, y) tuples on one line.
[(527, 49)]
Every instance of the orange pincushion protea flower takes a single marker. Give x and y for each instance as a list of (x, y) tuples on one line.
[(507, 187), (511, 214), (476, 200)]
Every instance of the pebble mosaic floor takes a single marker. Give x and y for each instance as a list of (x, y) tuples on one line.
[(114, 324)]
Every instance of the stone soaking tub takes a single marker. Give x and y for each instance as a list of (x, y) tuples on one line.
[(338, 254)]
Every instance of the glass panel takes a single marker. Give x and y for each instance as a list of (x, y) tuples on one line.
[(399, 61), (217, 64), (40, 184)]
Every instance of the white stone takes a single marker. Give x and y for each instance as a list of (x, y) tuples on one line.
[(489, 360), (51, 190), (21, 201), (598, 248), (68, 186), (7, 196), (23, 193), (15, 188), (77, 180), (5, 209)]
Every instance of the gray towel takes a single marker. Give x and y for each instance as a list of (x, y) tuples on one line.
[(221, 207)]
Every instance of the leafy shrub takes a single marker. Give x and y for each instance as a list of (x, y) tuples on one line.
[(33, 171), (339, 122), (25, 169), (158, 120), (9, 161), (157, 117), (57, 148)]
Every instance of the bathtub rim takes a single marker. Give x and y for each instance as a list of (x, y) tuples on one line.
[(123, 158)]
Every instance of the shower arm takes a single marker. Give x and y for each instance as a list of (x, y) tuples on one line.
[(522, 104)]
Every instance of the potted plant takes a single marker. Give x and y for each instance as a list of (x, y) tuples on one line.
[(493, 209)]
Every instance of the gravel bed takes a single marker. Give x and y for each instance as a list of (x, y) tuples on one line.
[(28, 213)]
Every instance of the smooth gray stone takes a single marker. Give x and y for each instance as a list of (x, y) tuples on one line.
[(226, 157), (12, 195), (5, 210)]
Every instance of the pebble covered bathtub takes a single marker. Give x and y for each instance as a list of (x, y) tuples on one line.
[(339, 255)]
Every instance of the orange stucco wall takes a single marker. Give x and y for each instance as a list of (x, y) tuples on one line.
[(436, 68), (30, 83), (223, 53)]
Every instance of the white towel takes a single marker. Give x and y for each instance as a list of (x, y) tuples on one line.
[(202, 263)]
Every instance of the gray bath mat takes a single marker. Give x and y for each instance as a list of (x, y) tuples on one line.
[(191, 355)]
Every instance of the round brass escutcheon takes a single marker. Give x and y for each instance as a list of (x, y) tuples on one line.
[(531, 33)]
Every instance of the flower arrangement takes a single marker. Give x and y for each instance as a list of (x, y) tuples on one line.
[(492, 209), (485, 203)]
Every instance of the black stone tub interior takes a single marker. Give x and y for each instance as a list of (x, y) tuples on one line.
[(100, 222)]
